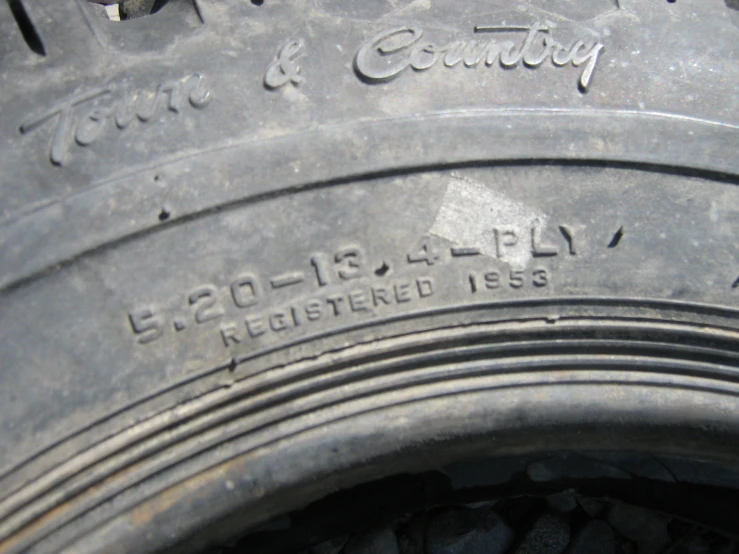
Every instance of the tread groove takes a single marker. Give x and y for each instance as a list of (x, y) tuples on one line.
[(249, 404), (27, 28)]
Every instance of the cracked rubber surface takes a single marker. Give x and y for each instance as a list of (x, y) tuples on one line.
[(255, 252)]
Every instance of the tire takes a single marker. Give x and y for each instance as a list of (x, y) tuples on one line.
[(256, 252)]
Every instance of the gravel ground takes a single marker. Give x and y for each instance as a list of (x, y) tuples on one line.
[(560, 524)]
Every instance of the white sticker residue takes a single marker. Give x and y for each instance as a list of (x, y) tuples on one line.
[(473, 216)]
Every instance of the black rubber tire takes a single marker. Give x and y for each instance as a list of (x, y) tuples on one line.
[(253, 252)]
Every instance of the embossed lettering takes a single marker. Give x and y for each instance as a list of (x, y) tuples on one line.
[(314, 310), (359, 301), (284, 69), (504, 240), (569, 237), (229, 335), (538, 249), (255, 326), (206, 305), (278, 321), (492, 280), (381, 48), (350, 261), (245, 291), (388, 54), (515, 279), (424, 252), (402, 292), (335, 301), (425, 287), (296, 319), (381, 295), (541, 278), (146, 325), (77, 121)]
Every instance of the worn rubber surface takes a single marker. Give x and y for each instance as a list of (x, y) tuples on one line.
[(244, 245)]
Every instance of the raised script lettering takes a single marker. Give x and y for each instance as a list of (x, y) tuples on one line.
[(388, 54)]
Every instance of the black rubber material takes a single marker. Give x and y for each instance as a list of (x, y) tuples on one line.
[(520, 492), (254, 252)]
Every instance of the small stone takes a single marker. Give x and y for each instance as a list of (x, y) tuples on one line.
[(135, 8), (332, 546), (408, 545), (592, 507), (648, 528), (652, 546), (410, 536), (461, 531), (694, 545), (563, 502), (374, 541), (522, 509), (550, 534), (727, 548), (628, 548), (596, 537)]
